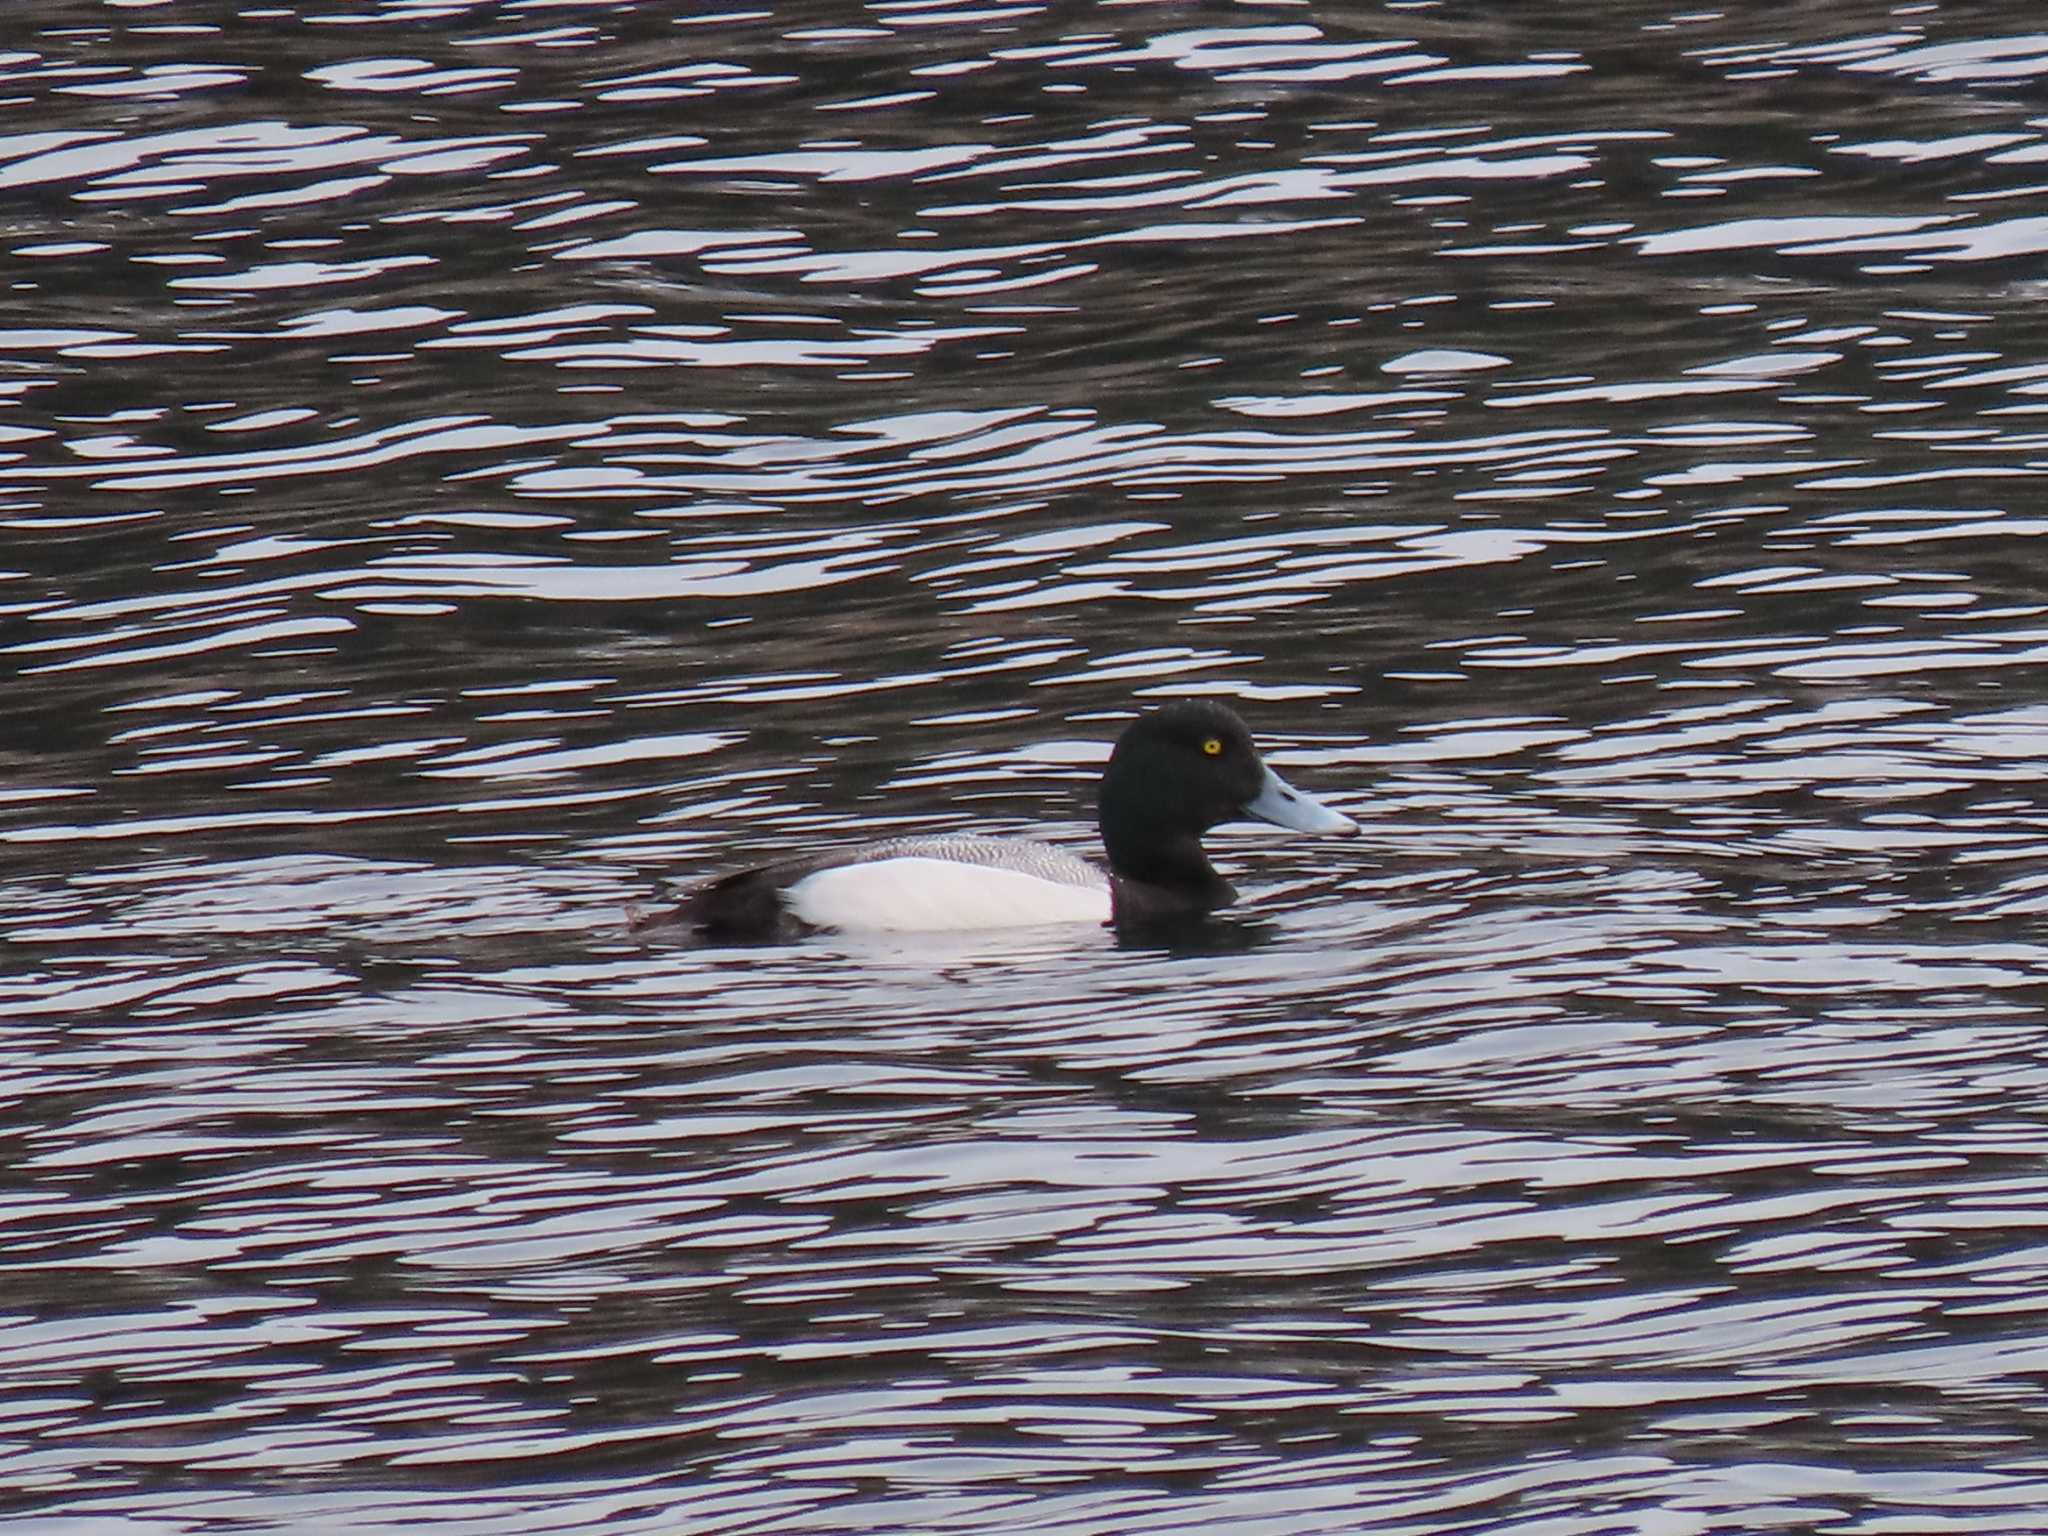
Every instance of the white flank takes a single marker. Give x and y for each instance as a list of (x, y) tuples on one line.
[(915, 895)]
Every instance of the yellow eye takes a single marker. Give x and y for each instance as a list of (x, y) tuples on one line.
[(1213, 746)]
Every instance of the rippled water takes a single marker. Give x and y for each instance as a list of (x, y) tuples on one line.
[(462, 466)]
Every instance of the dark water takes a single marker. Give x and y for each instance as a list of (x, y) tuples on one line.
[(462, 465)]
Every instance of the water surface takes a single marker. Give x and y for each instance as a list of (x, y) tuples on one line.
[(463, 467)]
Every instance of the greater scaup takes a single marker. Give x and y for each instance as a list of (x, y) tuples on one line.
[(1173, 775)]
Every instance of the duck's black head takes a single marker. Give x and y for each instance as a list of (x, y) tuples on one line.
[(1176, 773)]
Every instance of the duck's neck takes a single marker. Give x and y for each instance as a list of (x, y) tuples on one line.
[(1161, 875)]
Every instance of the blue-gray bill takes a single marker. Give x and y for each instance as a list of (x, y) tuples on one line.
[(1285, 806)]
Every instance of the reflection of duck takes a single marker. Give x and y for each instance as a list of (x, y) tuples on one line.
[(1175, 773)]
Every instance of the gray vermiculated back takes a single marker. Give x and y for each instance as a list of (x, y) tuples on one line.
[(1016, 854)]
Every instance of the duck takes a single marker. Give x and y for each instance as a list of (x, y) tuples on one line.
[(1174, 773)]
